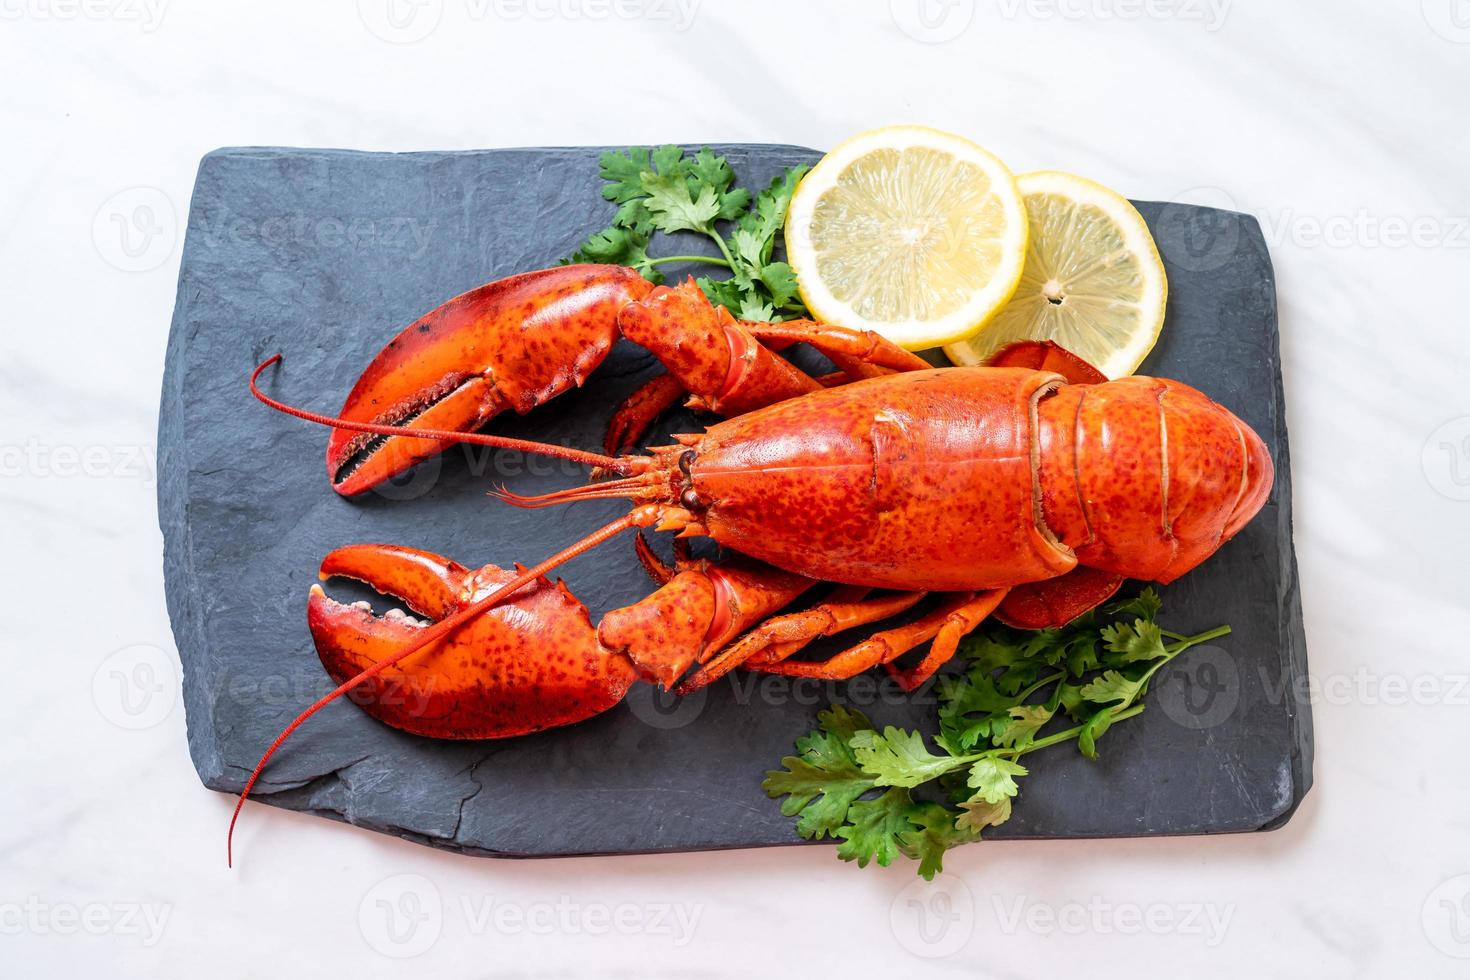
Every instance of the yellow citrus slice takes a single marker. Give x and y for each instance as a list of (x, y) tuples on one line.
[(914, 233), (1093, 282)]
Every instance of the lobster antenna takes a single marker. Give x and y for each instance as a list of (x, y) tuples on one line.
[(424, 639), (624, 465)]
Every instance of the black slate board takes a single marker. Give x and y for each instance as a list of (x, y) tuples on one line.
[(325, 254)]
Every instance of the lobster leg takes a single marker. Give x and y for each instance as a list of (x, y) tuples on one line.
[(799, 628), (859, 353), (638, 411), (945, 625)]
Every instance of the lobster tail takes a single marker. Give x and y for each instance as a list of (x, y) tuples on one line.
[(1145, 477)]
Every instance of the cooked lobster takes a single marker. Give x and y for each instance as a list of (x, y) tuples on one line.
[(1029, 489)]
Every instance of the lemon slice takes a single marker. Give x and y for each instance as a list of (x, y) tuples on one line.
[(1093, 283), (913, 233)]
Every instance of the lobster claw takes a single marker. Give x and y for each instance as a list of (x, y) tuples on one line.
[(533, 662), (509, 344)]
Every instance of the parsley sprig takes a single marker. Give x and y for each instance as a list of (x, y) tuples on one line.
[(662, 190), (852, 782)]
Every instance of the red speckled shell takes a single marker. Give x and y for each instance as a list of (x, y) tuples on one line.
[(1147, 477), (911, 481), (529, 664), (511, 343)]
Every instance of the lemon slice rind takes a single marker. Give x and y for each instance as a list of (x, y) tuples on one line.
[(1113, 328), (983, 299)]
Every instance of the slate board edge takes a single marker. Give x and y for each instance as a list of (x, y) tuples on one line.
[(185, 607)]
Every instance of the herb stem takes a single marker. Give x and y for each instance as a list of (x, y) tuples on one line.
[(1059, 675), (1065, 736), (1185, 642), (712, 260), (724, 249)]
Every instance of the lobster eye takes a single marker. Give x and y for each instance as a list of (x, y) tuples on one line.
[(690, 500)]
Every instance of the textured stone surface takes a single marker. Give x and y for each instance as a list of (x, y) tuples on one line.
[(324, 255)]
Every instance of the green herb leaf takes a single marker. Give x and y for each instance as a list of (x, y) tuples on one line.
[(1015, 686), (823, 780), (979, 813), (1145, 606), (1132, 644), (898, 758), (993, 778), (1093, 729), (936, 831), (1110, 687), (874, 828), (1025, 722), (624, 174), (780, 280), (674, 209), (662, 190)]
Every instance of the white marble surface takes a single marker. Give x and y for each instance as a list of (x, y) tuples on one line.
[(1348, 118)]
